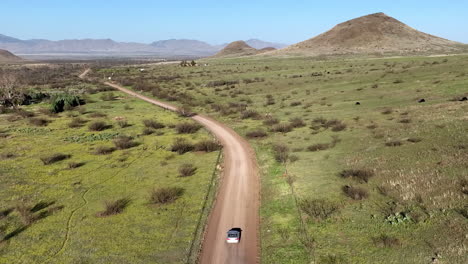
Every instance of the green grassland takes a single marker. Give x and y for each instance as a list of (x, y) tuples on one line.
[(413, 206), (61, 222)]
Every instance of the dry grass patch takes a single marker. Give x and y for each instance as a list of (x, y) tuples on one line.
[(47, 160), (166, 195), (114, 207)]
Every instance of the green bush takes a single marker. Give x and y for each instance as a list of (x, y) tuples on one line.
[(166, 195), (61, 102)]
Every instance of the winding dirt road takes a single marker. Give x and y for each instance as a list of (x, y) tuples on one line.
[(237, 201)]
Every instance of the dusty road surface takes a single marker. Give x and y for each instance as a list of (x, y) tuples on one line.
[(237, 201)]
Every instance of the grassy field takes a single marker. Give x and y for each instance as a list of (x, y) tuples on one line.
[(100, 200), (354, 168)]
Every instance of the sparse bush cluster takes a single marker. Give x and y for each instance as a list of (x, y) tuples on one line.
[(149, 123), (335, 124), (258, 133), (355, 193), (124, 142), (187, 128), (98, 126), (186, 170), (281, 152), (166, 195), (318, 209), (359, 174), (50, 159), (114, 207)]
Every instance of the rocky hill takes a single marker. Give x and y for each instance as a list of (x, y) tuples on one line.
[(7, 57)]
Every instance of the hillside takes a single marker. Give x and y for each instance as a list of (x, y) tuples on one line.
[(6, 56), (375, 33), (237, 49)]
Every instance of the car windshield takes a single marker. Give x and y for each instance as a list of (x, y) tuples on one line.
[(232, 235)]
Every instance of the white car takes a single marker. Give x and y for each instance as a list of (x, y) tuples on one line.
[(234, 235)]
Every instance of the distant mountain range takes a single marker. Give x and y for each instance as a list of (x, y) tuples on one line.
[(162, 48)]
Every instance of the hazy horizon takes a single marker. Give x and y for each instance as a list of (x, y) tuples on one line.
[(216, 23)]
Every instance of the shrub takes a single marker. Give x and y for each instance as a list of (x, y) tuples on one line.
[(47, 160), (362, 175), (405, 121), (281, 152), (393, 143), (339, 127), (26, 215), (297, 122), (153, 124), (187, 128), (270, 120), (122, 123), (62, 102), (207, 146), (103, 150), (76, 122), (98, 126), (387, 111), (250, 113), (385, 241), (259, 133), (318, 146), (414, 139), (282, 127), (185, 111), (38, 121), (124, 142), (318, 209), (186, 170), (295, 103), (166, 195), (108, 96), (355, 193), (147, 131), (181, 146), (114, 207), (74, 165)]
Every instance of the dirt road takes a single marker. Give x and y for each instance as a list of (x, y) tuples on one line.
[(237, 201)]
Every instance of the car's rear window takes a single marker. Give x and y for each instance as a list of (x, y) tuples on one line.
[(232, 235)]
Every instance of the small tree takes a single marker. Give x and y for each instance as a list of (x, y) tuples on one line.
[(193, 63), (11, 93)]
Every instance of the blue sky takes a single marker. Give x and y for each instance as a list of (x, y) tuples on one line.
[(218, 21)]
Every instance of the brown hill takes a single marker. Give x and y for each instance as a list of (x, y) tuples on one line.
[(375, 33), (6, 56), (267, 49), (236, 49)]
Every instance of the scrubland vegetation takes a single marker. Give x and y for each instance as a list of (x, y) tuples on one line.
[(362, 160), (97, 176)]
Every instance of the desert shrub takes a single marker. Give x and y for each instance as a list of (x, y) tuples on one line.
[(222, 83), (293, 158), (38, 121), (187, 128), (107, 96), (181, 146), (282, 127), (186, 170), (360, 174), (281, 152), (318, 147), (166, 195), (270, 120), (98, 126), (295, 103), (76, 122), (405, 121), (297, 122), (7, 155), (414, 139), (124, 142), (393, 143), (249, 113), (147, 131), (339, 127), (153, 124), (387, 111), (259, 133), (355, 193), (122, 123), (270, 100), (319, 120), (104, 150), (46, 160), (74, 165), (207, 146), (386, 241), (318, 209), (62, 102), (114, 207)]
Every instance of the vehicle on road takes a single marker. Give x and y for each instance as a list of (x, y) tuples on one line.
[(234, 235)]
